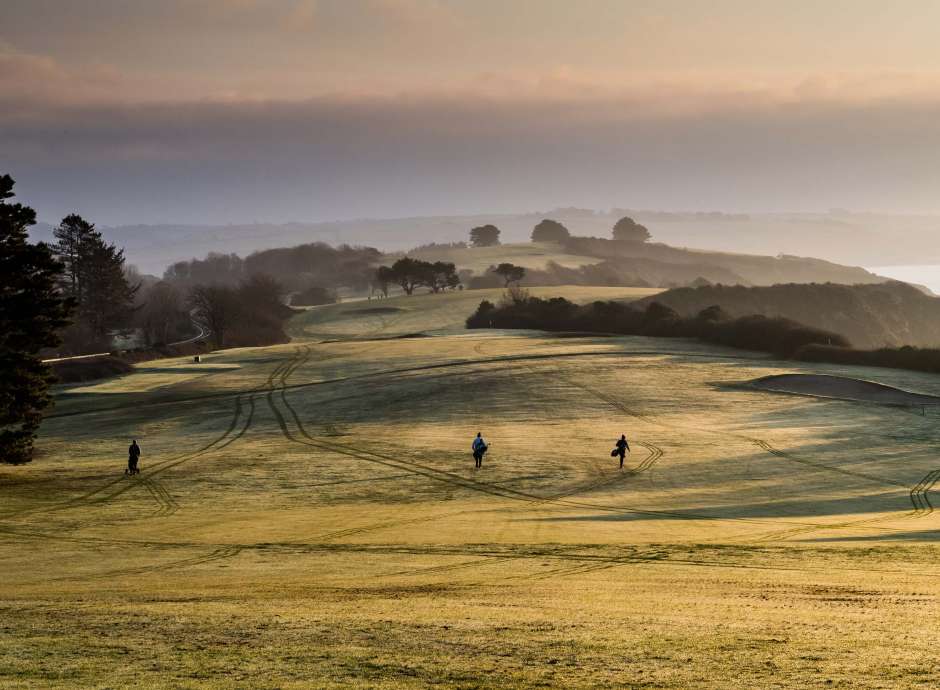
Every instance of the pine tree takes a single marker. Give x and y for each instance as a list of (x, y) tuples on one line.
[(71, 242), (32, 310), (107, 300), (94, 277)]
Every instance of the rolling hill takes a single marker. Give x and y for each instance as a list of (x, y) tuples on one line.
[(889, 314), (308, 514)]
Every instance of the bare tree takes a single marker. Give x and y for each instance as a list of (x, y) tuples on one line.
[(384, 276), (217, 308), (162, 311)]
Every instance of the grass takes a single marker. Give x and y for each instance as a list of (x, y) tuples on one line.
[(309, 515), (527, 254), (442, 314)]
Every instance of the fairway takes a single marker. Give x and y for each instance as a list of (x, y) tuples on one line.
[(309, 515)]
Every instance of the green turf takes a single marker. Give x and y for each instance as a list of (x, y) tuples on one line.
[(309, 515)]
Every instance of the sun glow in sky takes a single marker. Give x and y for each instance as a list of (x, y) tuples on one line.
[(233, 110)]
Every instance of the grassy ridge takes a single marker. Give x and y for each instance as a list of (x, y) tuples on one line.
[(888, 314)]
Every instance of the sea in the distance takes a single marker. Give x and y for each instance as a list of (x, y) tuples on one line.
[(927, 275)]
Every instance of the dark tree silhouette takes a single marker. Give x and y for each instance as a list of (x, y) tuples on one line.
[(439, 275), (261, 292), (510, 273), (550, 231), (628, 230), (484, 236), (409, 273), (162, 314), (779, 336), (217, 307), (296, 267), (32, 310), (384, 277), (95, 278), (72, 239), (313, 296), (107, 299)]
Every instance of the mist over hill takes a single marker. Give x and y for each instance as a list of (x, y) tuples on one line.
[(878, 315), (839, 236)]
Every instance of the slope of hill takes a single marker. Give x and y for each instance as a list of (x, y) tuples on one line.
[(593, 261), (877, 315), (864, 239), (309, 514)]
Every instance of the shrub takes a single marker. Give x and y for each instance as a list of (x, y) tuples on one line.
[(313, 296), (781, 337)]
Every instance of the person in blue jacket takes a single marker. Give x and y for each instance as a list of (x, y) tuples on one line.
[(479, 448)]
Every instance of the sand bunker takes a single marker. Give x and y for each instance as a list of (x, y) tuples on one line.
[(840, 388)]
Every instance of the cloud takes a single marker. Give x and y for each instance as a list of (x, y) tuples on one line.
[(27, 79), (381, 156)]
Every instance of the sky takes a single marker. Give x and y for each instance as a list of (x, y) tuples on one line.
[(233, 111)]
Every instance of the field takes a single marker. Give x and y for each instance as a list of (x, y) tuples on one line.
[(309, 515), (527, 254)]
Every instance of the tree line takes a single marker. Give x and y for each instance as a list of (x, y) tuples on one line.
[(548, 230), (93, 277), (77, 292), (410, 273), (298, 268), (782, 337)]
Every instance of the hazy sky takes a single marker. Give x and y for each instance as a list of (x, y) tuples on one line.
[(237, 110)]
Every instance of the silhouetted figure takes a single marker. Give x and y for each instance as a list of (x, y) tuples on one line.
[(479, 448), (620, 449), (133, 455)]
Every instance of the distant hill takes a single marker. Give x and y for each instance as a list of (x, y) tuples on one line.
[(593, 261), (856, 238), (888, 314)]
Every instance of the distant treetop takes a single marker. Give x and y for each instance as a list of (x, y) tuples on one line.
[(550, 231), (484, 236), (628, 230)]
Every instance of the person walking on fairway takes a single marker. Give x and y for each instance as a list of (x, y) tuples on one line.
[(621, 449), (479, 448), (133, 455)]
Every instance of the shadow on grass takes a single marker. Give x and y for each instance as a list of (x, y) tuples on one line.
[(918, 535), (885, 502)]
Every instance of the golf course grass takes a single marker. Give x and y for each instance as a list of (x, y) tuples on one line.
[(308, 515)]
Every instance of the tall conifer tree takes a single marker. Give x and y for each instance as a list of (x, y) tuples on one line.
[(32, 310)]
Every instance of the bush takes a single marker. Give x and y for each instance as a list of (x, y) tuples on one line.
[(313, 296), (907, 357), (79, 370), (436, 246), (781, 337)]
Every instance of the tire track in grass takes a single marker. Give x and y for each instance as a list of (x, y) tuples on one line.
[(98, 495), (305, 438), (218, 554), (167, 504), (397, 372), (922, 507), (917, 493), (654, 454), (124, 483), (760, 443), (919, 497)]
